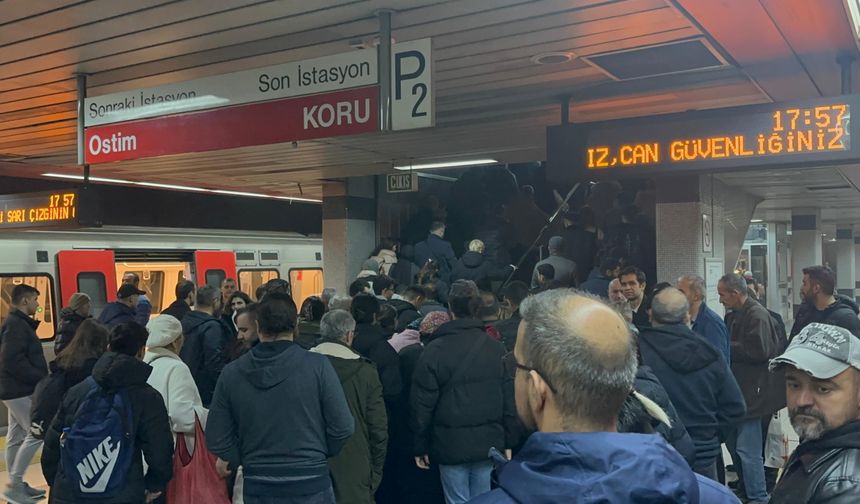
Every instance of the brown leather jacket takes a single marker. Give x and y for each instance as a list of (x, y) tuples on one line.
[(754, 341)]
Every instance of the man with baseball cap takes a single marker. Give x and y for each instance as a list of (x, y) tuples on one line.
[(124, 309), (822, 376)]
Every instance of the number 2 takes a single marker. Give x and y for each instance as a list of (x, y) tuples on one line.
[(423, 89)]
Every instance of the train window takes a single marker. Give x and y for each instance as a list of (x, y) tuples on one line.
[(45, 285), (92, 283), (305, 283), (249, 279), (215, 277)]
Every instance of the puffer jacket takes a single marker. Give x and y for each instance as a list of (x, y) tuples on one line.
[(842, 313), (152, 437), (22, 361), (370, 342), (824, 471), (473, 266), (117, 313), (70, 320), (457, 422)]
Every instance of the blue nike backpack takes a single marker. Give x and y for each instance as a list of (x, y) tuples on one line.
[(98, 448)]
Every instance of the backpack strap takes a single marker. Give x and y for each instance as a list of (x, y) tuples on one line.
[(464, 364)]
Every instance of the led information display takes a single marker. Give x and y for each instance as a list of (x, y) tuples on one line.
[(813, 132), (34, 210)]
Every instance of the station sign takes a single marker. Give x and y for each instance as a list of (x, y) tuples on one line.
[(780, 134), (317, 116), (299, 78), (413, 102), (318, 98), (402, 182), (39, 210)]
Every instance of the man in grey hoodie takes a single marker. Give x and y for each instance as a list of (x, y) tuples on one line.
[(280, 411)]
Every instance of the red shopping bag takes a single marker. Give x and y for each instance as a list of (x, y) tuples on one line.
[(195, 479)]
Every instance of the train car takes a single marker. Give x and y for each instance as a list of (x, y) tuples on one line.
[(94, 260)]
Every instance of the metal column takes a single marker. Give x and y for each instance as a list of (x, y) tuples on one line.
[(384, 69), (845, 62), (82, 96)]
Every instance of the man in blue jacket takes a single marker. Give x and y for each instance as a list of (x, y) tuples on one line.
[(437, 249), (280, 412), (706, 322), (208, 341), (697, 379), (576, 363)]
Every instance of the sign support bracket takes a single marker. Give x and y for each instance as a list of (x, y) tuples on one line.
[(565, 110), (82, 96), (384, 68), (845, 63)]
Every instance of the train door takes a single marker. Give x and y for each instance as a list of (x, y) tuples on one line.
[(89, 271), (212, 267)]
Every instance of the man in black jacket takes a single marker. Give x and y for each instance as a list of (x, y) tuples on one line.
[(185, 292), (124, 309), (118, 369), (457, 400), (207, 341), (407, 308), (822, 371), (22, 365), (694, 374), (280, 412), (820, 304)]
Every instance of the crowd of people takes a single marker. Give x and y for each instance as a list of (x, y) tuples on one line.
[(424, 384)]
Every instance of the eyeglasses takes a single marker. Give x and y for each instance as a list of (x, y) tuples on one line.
[(529, 370)]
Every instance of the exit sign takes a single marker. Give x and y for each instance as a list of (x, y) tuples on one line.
[(402, 182)]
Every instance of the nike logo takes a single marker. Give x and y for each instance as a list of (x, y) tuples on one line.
[(102, 459)]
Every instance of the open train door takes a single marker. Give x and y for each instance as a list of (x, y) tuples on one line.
[(212, 267), (92, 272)]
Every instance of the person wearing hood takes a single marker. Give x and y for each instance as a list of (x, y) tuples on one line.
[(477, 268), (280, 412), (371, 343), (363, 391), (573, 405), (71, 317), (22, 366), (185, 291), (695, 375), (208, 341), (564, 270), (457, 399), (822, 379), (124, 309), (171, 377), (369, 270), (118, 369), (822, 305)]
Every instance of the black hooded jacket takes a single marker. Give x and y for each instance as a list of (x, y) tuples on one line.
[(826, 470), (457, 416), (698, 381), (70, 320), (473, 266), (152, 435), (676, 435), (842, 313)]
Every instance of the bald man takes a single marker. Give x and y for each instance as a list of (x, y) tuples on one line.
[(576, 364), (694, 373)]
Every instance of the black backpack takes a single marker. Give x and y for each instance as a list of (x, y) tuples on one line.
[(46, 401)]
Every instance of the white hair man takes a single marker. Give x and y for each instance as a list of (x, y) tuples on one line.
[(576, 364)]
